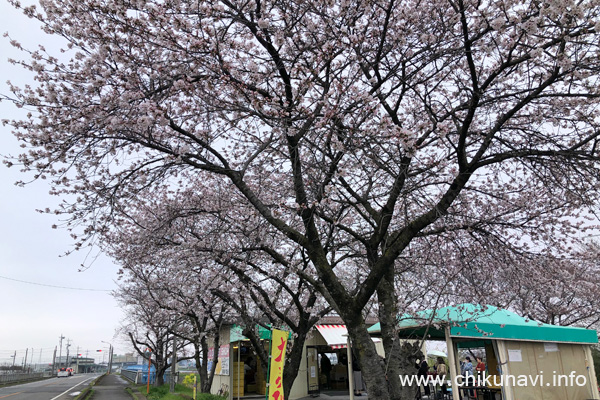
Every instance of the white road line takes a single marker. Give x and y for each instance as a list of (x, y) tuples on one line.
[(68, 390)]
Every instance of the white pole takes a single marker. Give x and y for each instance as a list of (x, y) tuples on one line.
[(350, 371), (507, 390), (238, 368), (452, 362), (589, 361)]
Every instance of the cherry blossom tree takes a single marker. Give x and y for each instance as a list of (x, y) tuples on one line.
[(192, 257), (355, 130), (556, 291), (150, 331), (181, 297), (552, 288)]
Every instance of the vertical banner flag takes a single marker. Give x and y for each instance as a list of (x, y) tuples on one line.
[(278, 344)]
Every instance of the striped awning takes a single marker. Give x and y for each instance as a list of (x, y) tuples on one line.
[(334, 335)]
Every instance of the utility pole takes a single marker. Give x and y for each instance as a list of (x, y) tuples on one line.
[(53, 361), (110, 358), (31, 362), (60, 352), (25, 359), (40, 360), (14, 356), (77, 364), (68, 345)]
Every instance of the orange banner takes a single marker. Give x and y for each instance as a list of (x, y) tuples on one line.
[(278, 344)]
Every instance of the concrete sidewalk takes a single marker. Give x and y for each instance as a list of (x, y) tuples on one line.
[(112, 387)]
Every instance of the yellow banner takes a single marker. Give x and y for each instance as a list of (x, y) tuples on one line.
[(278, 343)]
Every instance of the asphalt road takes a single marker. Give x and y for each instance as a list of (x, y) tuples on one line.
[(48, 389)]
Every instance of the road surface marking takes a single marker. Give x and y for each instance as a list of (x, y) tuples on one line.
[(68, 390), (8, 395)]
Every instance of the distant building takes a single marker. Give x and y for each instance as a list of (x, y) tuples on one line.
[(124, 360)]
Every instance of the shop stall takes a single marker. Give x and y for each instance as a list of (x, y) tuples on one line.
[(526, 360)]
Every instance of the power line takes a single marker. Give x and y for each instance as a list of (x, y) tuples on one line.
[(54, 286)]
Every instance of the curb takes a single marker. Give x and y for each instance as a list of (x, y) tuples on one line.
[(85, 394), (135, 393)]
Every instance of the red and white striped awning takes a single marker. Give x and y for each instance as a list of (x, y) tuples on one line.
[(333, 335)]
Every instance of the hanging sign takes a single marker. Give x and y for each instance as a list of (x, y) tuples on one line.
[(550, 347), (515, 356), (222, 367)]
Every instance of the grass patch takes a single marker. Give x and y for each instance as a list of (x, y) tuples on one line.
[(181, 392)]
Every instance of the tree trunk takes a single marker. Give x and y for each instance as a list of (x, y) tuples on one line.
[(399, 355), (371, 364), (293, 360), (201, 366), (206, 376), (160, 374)]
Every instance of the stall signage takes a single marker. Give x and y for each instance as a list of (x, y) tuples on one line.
[(278, 345)]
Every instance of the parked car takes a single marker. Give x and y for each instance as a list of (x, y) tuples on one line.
[(63, 372)]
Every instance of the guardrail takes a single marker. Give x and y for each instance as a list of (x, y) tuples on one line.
[(133, 376), (22, 377), (139, 377)]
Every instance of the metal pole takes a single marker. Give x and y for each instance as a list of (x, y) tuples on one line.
[(267, 394), (77, 362), (350, 371), (195, 387), (238, 369)]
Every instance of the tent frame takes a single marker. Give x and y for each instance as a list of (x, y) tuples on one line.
[(502, 326)]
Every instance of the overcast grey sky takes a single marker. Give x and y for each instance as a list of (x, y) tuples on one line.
[(33, 315)]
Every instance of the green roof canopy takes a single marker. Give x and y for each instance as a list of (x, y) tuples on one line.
[(235, 333), (488, 322)]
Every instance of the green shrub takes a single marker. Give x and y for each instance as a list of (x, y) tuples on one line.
[(189, 380)]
